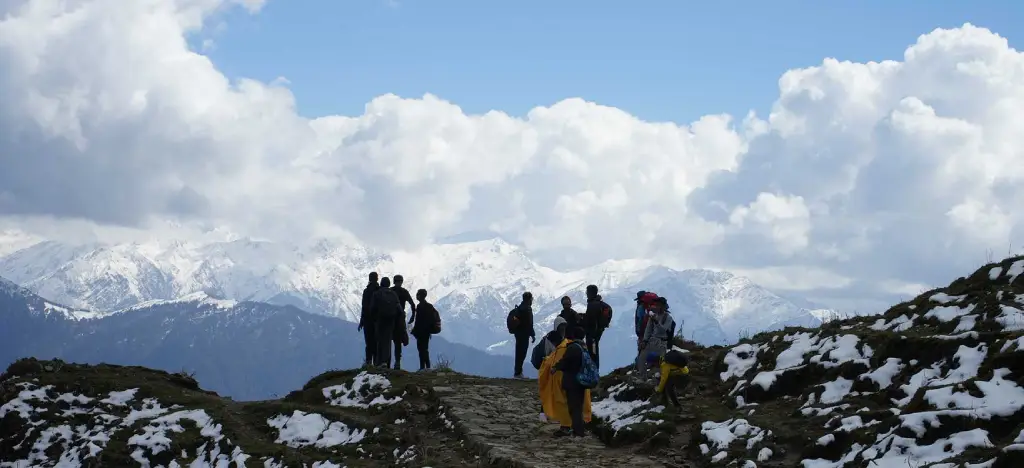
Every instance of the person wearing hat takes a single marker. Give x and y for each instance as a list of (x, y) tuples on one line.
[(644, 301), (657, 335)]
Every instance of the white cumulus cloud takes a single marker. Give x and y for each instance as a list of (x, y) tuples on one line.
[(899, 172)]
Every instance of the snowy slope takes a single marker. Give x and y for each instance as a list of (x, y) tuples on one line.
[(936, 381), (474, 284)]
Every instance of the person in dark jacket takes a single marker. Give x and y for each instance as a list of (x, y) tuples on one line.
[(401, 335), (525, 331), (572, 318), (365, 319), (594, 322), (424, 319), (385, 309), (570, 365)]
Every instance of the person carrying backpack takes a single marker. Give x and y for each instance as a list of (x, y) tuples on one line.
[(548, 344), (644, 302), (675, 373), (401, 334), (595, 320), (571, 365), (425, 321), (365, 320), (657, 336), (386, 309), (520, 325)]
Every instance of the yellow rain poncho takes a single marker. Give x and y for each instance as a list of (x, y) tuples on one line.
[(552, 396)]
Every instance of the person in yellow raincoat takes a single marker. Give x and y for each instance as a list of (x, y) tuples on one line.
[(552, 395)]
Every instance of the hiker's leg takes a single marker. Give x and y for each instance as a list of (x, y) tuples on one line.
[(574, 400), (421, 348), (597, 347), (385, 329), (670, 391), (371, 344), (398, 353), (522, 343)]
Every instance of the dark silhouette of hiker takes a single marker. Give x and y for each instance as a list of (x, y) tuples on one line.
[(365, 324), (386, 311), (570, 365), (595, 320), (425, 321), (572, 318), (520, 322), (401, 334)]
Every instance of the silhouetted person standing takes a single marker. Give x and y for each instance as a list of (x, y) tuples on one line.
[(595, 320), (386, 311), (425, 321), (401, 335), (523, 331), (365, 322)]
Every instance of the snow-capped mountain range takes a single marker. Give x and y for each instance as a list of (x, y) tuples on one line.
[(473, 284), (246, 350)]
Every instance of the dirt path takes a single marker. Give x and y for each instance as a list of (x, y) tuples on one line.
[(502, 423)]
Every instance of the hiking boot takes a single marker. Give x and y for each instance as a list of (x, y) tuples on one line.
[(562, 432), (518, 376)]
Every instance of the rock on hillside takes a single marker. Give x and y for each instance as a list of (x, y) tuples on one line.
[(935, 381)]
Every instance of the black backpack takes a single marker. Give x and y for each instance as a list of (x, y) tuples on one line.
[(435, 325), (512, 322), (605, 319), (537, 356), (386, 304), (677, 358)]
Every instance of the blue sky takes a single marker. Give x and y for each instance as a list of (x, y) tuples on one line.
[(660, 60)]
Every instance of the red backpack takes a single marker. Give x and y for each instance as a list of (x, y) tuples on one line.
[(647, 300)]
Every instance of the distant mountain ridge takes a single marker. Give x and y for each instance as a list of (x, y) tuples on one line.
[(474, 284), (246, 350)]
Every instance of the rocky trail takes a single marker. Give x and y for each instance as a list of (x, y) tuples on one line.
[(502, 422)]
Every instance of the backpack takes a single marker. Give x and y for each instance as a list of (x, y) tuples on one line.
[(605, 319), (538, 355), (677, 358), (588, 376), (387, 304), (512, 321), (436, 323)]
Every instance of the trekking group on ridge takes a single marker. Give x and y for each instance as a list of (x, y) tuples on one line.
[(382, 322), (567, 357)]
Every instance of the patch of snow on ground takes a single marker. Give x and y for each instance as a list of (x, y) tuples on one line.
[(84, 438), (302, 429), (365, 391), (722, 435), (621, 414)]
